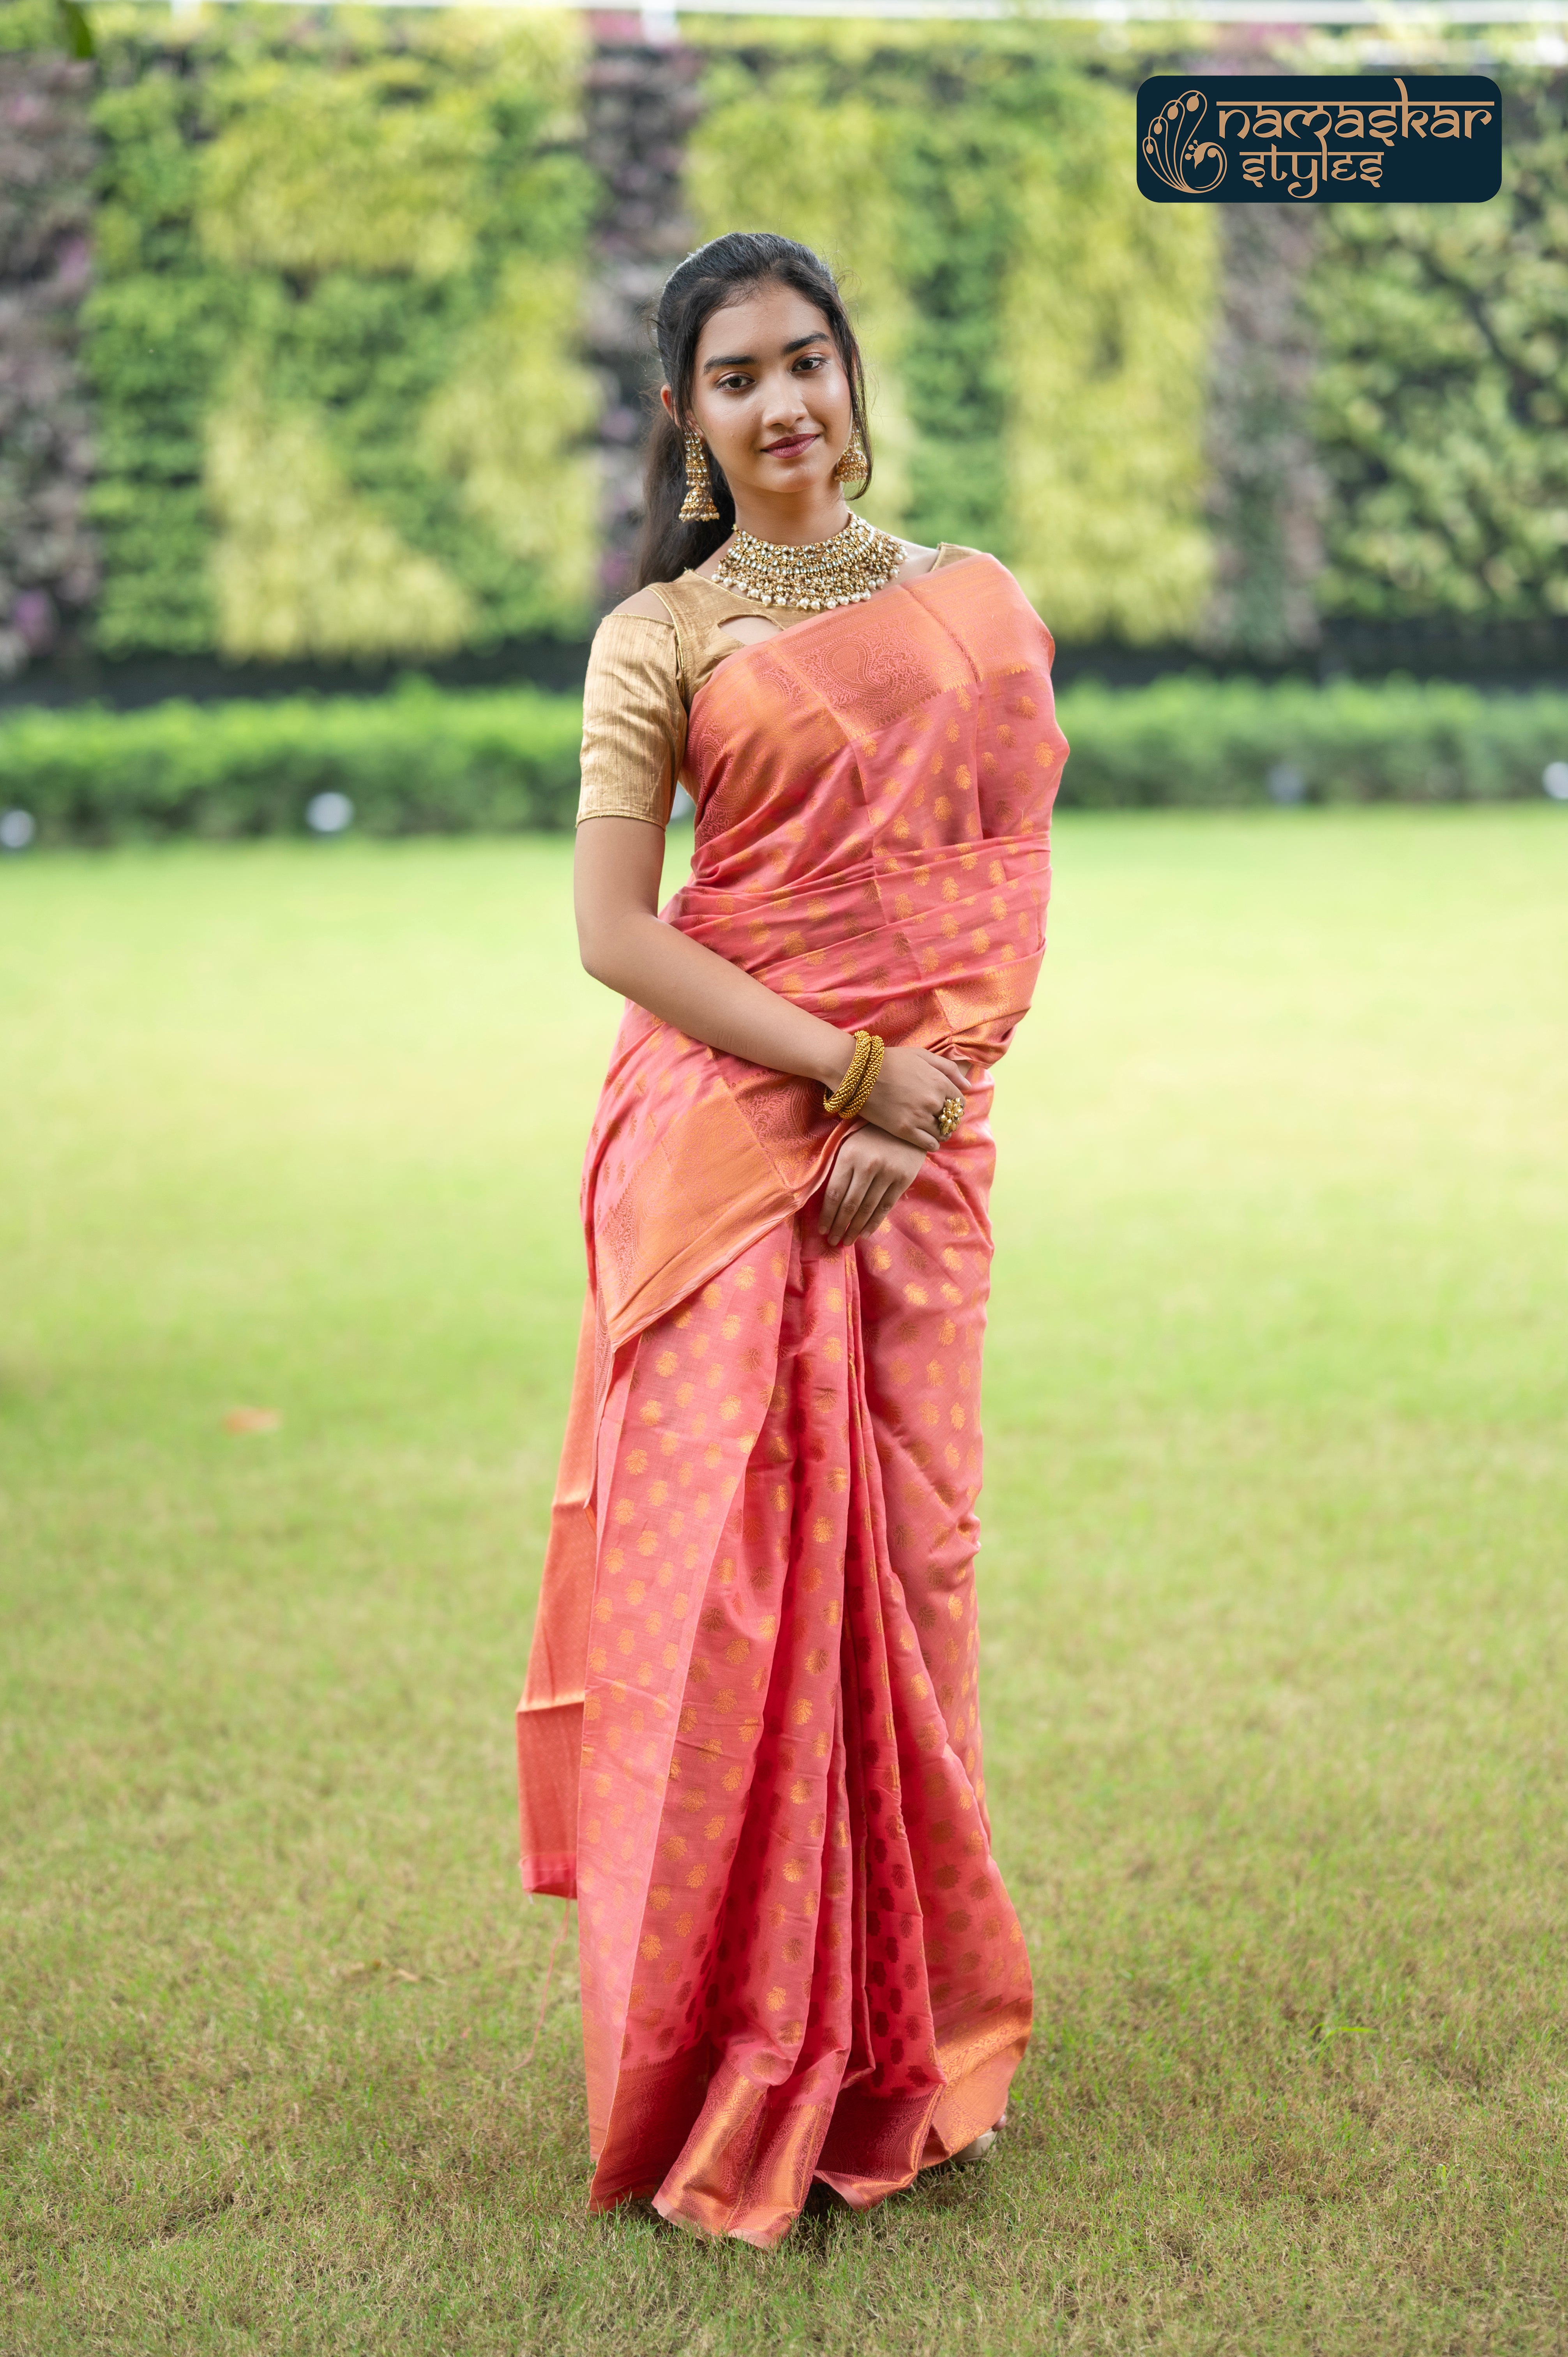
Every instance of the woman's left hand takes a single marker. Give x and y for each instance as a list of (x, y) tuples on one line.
[(912, 1086), (870, 1171)]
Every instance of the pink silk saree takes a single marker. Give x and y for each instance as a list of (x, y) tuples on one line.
[(749, 1741)]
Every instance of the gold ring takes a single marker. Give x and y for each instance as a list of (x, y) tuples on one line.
[(950, 1117)]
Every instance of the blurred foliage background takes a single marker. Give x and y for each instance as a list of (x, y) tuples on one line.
[(299, 362), (332, 338), (1441, 405)]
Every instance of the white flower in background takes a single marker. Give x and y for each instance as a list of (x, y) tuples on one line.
[(17, 828)]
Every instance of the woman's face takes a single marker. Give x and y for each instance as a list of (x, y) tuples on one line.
[(769, 396)]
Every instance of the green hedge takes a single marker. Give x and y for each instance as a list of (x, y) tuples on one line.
[(432, 761), (1191, 740), (420, 761)]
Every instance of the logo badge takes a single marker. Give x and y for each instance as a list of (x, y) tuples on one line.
[(1320, 139)]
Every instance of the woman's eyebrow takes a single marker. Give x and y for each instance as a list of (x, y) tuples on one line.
[(748, 359)]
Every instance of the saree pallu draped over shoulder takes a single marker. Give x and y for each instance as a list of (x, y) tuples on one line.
[(749, 1741)]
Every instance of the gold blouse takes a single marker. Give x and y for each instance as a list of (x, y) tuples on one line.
[(642, 676)]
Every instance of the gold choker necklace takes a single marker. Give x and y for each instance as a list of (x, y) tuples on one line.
[(857, 562)]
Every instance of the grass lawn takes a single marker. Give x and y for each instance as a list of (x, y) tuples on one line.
[(1273, 1591)]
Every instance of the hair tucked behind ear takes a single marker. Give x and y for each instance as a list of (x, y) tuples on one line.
[(716, 274)]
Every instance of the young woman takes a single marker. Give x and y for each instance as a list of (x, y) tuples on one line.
[(749, 1742)]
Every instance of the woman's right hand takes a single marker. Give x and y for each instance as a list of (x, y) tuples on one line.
[(911, 1089), (870, 1171)]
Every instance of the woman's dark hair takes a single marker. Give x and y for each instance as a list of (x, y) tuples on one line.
[(716, 274)]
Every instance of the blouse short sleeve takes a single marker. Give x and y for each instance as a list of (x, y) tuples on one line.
[(634, 721)]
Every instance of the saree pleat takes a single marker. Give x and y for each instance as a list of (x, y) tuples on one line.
[(750, 1740)]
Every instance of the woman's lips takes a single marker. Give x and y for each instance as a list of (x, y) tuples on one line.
[(791, 448)]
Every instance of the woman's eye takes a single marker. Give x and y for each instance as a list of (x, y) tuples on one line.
[(812, 360)]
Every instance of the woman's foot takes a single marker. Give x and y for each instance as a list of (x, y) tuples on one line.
[(968, 2156)]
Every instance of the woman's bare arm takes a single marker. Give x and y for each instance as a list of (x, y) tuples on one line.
[(624, 945)]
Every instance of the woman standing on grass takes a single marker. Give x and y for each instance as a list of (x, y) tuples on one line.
[(749, 1741)]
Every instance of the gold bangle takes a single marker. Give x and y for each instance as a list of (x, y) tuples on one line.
[(835, 1100), (857, 1105)]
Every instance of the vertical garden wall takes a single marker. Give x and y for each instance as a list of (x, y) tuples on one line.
[(321, 333), (332, 334), (48, 557), (1439, 401)]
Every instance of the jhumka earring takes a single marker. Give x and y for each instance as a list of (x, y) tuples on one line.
[(854, 466), (697, 507)]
